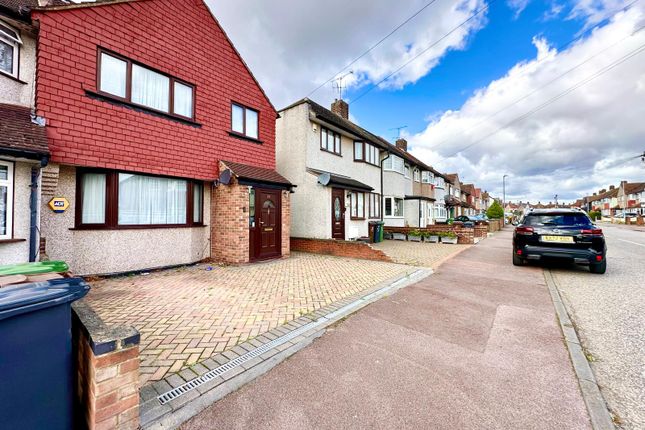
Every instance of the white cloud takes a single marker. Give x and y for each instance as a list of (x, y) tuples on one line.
[(292, 46), (570, 147)]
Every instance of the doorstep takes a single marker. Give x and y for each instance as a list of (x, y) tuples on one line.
[(172, 401)]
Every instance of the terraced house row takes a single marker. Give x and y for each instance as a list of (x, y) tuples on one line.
[(133, 136)]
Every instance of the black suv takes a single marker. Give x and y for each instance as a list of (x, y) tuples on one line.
[(561, 234)]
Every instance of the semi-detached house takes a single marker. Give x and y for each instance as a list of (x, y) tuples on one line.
[(347, 176), (161, 140), (23, 141)]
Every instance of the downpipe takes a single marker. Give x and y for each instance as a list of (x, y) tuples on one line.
[(33, 208)]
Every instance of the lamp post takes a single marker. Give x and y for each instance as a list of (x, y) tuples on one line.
[(504, 196)]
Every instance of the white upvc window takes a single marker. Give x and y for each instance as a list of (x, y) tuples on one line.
[(427, 177), (407, 171), (393, 207), (394, 164), (6, 199), (9, 50), (417, 175)]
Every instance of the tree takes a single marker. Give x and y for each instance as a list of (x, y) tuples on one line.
[(495, 211)]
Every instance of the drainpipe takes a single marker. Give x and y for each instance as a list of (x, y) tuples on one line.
[(382, 196), (33, 207)]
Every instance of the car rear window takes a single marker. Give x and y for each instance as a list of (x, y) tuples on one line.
[(557, 220)]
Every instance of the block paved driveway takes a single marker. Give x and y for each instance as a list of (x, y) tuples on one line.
[(419, 253), (188, 314)]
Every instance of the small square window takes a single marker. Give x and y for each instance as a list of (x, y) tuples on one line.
[(113, 75), (245, 121)]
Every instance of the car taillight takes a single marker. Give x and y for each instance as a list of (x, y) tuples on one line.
[(524, 230), (592, 232)]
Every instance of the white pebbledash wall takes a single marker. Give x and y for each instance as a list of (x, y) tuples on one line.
[(22, 94), (298, 149), (114, 251)]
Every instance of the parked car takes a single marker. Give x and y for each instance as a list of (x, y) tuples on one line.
[(464, 218), (480, 218), (565, 234)]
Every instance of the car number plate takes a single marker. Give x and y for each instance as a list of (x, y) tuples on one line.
[(565, 239)]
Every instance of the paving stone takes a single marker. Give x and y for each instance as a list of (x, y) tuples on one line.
[(163, 304), (175, 380)]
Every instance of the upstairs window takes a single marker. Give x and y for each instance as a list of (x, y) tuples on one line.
[(417, 175), (330, 141), (367, 153), (407, 171), (9, 50), (394, 163), (426, 177), (140, 85), (244, 120)]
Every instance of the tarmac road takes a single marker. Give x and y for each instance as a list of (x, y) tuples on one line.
[(609, 313)]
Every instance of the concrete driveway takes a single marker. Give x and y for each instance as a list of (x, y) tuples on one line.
[(475, 346), (189, 314)]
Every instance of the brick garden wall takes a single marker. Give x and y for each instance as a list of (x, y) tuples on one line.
[(481, 230), (180, 38), (107, 372), (465, 235), (495, 225), (339, 248)]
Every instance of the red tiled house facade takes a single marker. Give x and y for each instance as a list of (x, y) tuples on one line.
[(143, 99)]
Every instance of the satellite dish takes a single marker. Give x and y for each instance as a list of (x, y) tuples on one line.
[(324, 178), (225, 177)]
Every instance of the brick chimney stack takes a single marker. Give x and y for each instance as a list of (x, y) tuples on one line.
[(612, 187), (402, 144), (340, 108)]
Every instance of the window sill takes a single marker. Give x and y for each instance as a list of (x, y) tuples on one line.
[(356, 219), (12, 240), (136, 227), (331, 152), (117, 101), (245, 137), (13, 78)]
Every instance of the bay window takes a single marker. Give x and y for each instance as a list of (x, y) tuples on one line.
[(357, 205), (374, 205), (393, 207), (9, 50), (330, 141), (394, 164), (426, 177), (109, 199), (141, 85), (6, 200), (365, 152), (244, 120)]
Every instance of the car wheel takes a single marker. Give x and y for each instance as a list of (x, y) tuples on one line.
[(517, 261), (599, 268)]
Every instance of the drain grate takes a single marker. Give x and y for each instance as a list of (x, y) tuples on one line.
[(218, 371)]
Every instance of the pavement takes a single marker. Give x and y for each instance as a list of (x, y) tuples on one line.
[(419, 253), (477, 345), (190, 314), (608, 312)]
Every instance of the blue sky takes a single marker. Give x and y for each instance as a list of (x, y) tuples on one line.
[(454, 96), (491, 51)]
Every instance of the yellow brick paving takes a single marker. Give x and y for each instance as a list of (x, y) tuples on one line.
[(419, 253), (189, 314)]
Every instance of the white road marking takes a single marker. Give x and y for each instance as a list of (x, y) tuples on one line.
[(629, 241)]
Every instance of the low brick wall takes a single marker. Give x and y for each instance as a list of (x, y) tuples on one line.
[(495, 225), (465, 235), (339, 248), (481, 230), (107, 372)]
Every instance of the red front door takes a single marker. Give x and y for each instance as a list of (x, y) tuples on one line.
[(337, 213), (266, 236)]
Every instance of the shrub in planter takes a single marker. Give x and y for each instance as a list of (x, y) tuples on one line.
[(415, 236), (449, 237), (431, 237)]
